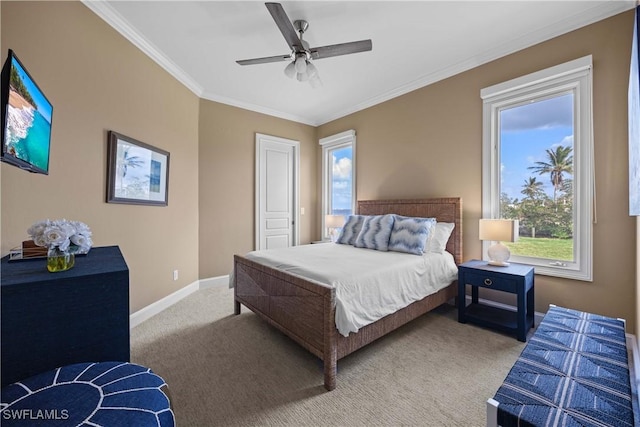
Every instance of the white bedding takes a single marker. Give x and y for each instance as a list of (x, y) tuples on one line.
[(369, 284)]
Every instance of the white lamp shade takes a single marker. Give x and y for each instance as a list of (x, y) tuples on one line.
[(301, 64), (312, 71), (499, 230), (334, 221), (290, 70)]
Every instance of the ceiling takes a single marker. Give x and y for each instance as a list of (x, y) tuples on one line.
[(415, 43)]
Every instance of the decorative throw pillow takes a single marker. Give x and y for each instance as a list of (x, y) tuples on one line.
[(375, 232), (350, 230), (440, 236), (410, 234)]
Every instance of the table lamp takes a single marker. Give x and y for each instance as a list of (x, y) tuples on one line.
[(499, 230), (333, 223)]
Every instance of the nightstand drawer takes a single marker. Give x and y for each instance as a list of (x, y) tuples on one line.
[(490, 282)]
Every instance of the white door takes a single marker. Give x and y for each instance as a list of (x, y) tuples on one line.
[(276, 192)]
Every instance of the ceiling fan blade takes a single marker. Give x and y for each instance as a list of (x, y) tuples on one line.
[(285, 26), (340, 49), (265, 60)]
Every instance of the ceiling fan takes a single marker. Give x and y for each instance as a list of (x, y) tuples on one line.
[(301, 54)]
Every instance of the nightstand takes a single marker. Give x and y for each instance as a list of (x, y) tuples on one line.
[(516, 279)]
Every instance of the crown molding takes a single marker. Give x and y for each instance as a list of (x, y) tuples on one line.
[(588, 17), (117, 22), (258, 109), (594, 14)]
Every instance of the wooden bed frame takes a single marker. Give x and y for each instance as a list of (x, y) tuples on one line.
[(304, 309)]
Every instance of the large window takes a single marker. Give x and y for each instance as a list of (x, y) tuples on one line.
[(538, 166), (338, 176)]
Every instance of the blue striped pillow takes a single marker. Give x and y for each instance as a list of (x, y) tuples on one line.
[(410, 234), (375, 232), (350, 230)]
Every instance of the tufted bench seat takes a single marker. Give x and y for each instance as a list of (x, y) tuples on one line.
[(573, 372), (92, 394)]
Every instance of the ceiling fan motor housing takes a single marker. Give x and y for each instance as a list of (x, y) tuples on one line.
[(300, 25)]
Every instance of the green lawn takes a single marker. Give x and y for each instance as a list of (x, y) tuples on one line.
[(542, 247)]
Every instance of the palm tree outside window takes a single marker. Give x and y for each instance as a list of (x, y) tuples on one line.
[(538, 168)]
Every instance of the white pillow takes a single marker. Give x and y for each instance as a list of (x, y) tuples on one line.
[(440, 236), (410, 234), (375, 232)]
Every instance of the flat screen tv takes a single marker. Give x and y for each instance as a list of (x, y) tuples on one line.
[(26, 119)]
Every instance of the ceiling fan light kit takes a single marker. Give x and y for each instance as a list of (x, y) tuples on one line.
[(301, 55), (290, 70), (301, 64)]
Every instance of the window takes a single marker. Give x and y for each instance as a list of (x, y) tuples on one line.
[(538, 166), (338, 176)]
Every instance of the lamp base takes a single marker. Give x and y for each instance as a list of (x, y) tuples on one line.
[(499, 254), (499, 263)]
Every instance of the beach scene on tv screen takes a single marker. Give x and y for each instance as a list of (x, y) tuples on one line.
[(28, 128)]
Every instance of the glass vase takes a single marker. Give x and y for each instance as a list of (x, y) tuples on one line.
[(59, 260)]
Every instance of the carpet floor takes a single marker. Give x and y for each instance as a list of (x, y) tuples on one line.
[(227, 370)]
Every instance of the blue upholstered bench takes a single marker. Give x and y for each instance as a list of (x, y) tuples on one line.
[(573, 372), (88, 394)]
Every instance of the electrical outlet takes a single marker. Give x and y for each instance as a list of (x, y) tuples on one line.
[(175, 274), (301, 211)]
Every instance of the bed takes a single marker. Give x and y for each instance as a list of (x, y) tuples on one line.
[(305, 309)]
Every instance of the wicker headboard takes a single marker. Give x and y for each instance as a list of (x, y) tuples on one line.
[(447, 209)]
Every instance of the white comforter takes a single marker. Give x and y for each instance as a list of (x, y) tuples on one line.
[(369, 284)]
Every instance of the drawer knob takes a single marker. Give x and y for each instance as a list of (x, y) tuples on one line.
[(488, 282)]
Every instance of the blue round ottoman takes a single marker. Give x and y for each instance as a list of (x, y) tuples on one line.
[(90, 394)]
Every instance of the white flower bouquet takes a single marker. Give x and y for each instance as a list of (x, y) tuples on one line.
[(67, 236)]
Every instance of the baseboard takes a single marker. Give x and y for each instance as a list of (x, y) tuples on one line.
[(212, 282), (152, 309)]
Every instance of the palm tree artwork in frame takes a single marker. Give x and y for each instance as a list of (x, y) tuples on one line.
[(137, 173)]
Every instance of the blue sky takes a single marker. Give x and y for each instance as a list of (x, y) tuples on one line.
[(526, 132), (342, 178), (43, 106)]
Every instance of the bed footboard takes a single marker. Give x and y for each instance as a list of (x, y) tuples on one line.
[(304, 309), (301, 308)]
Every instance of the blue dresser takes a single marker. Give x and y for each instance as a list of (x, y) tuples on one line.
[(48, 320)]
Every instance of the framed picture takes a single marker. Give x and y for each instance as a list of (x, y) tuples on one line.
[(137, 173)]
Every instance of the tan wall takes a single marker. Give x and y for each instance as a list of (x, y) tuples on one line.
[(227, 181), (425, 143), (428, 143), (98, 81)]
